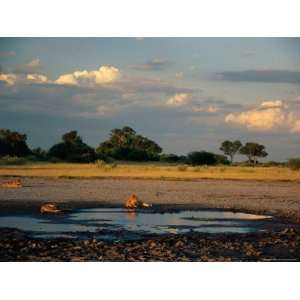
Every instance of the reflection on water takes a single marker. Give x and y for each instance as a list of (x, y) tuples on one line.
[(118, 223), (131, 215)]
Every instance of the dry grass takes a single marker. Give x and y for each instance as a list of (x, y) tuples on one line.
[(151, 171)]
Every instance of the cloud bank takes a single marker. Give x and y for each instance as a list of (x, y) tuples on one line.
[(271, 76), (270, 115), (156, 64)]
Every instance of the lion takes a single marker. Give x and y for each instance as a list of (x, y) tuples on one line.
[(12, 184), (133, 203), (49, 208)]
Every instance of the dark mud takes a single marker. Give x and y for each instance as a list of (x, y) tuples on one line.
[(276, 246)]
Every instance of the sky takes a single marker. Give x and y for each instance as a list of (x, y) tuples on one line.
[(187, 94)]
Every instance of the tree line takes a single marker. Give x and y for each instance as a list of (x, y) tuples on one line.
[(122, 144)]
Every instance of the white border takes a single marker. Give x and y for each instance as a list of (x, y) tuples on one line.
[(150, 18), (149, 281)]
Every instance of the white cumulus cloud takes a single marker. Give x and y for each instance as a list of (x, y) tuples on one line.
[(37, 78), (8, 78), (178, 100), (296, 127), (34, 63), (268, 116), (105, 74), (272, 104)]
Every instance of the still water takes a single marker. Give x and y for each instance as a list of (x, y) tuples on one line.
[(119, 224)]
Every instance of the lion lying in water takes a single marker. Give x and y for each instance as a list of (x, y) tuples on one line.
[(12, 184), (49, 208), (133, 203)]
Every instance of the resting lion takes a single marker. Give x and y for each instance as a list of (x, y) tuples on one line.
[(49, 208), (133, 203), (12, 184)]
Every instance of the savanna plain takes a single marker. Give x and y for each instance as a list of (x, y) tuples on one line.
[(273, 191)]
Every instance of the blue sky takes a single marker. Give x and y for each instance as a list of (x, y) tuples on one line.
[(185, 93)]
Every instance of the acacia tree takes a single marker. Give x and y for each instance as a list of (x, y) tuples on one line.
[(125, 144), (253, 151), (231, 148)]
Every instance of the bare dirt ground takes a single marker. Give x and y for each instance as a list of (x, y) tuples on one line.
[(278, 198)]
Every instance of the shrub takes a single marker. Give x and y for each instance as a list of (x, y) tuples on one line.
[(222, 160), (272, 164), (223, 169), (12, 160), (294, 163), (182, 168), (202, 158), (170, 158), (99, 163), (55, 160), (38, 154), (197, 169)]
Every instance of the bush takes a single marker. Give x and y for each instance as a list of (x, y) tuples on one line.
[(99, 163), (272, 164), (12, 160), (294, 163), (182, 168), (222, 160), (55, 160), (202, 158), (170, 158), (38, 154), (197, 169)]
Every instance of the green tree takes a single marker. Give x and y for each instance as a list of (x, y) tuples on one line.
[(126, 144), (231, 148), (253, 151), (13, 143), (72, 137), (72, 149)]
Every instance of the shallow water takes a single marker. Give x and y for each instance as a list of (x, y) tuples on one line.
[(119, 224)]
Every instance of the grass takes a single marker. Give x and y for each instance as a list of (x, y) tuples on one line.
[(154, 171)]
